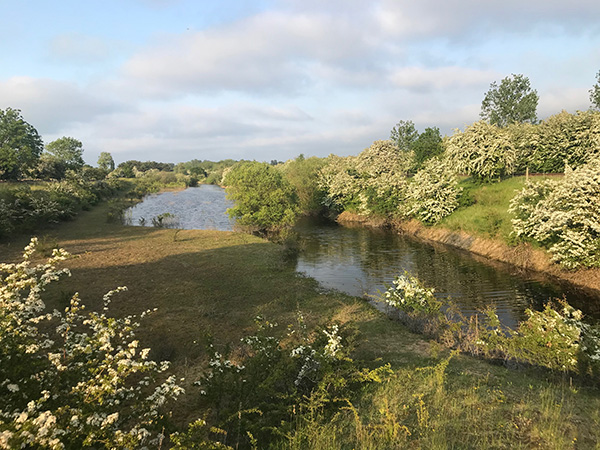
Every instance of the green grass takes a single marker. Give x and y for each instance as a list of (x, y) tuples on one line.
[(214, 283), (488, 214)]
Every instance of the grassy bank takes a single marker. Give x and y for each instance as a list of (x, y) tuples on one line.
[(211, 285)]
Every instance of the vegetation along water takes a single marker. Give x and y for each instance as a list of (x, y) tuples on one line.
[(121, 336)]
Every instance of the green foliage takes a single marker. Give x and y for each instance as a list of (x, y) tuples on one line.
[(563, 215), (303, 174), (372, 182), (266, 391), (555, 337), (24, 209), (483, 150), (72, 380), (264, 200), (513, 101), (50, 167), (68, 151), (404, 135), (106, 162), (125, 169), (428, 145), (595, 93), (20, 145), (563, 139)]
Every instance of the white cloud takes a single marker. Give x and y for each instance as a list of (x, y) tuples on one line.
[(459, 19), (269, 52), (436, 79), (50, 105)]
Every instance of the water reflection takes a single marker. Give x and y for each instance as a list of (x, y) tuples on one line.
[(199, 208)]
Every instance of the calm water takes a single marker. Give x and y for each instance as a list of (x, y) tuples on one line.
[(362, 261), (200, 208)]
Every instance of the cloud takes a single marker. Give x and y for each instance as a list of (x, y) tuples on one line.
[(266, 53), (441, 78), (78, 48), (459, 19), (51, 105)]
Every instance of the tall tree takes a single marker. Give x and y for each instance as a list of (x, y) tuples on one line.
[(20, 145), (428, 145), (512, 101), (404, 134), (595, 92), (106, 162), (68, 150)]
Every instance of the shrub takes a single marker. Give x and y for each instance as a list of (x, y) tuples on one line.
[(303, 174), (563, 215), (72, 379), (483, 150), (433, 192), (372, 182), (262, 389), (264, 200), (410, 296), (555, 337)]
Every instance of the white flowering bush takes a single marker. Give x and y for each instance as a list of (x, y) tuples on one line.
[(262, 387), (565, 139), (483, 150), (70, 379), (563, 215), (555, 337), (433, 192), (372, 182), (409, 295)]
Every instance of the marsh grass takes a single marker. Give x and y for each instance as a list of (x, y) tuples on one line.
[(209, 285)]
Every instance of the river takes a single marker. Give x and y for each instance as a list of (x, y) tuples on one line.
[(360, 261)]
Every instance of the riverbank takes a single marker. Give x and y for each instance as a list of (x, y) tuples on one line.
[(523, 255), (210, 285)]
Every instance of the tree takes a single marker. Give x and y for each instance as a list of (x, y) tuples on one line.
[(595, 93), (20, 145), (428, 145), (404, 134), (513, 101), (49, 167), (68, 150), (106, 162), (264, 200)]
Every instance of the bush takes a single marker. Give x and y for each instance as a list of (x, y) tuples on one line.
[(410, 296), (563, 215), (433, 192), (72, 379), (303, 174), (265, 388), (484, 151), (372, 182), (264, 200)]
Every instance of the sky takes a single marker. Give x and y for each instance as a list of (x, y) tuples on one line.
[(175, 80)]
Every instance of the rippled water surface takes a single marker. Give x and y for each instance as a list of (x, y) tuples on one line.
[(361, 261)]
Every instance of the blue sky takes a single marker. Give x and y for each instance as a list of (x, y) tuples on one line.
[(174, 80)]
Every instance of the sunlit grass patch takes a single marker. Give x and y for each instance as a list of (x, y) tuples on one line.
[(486, 213)]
